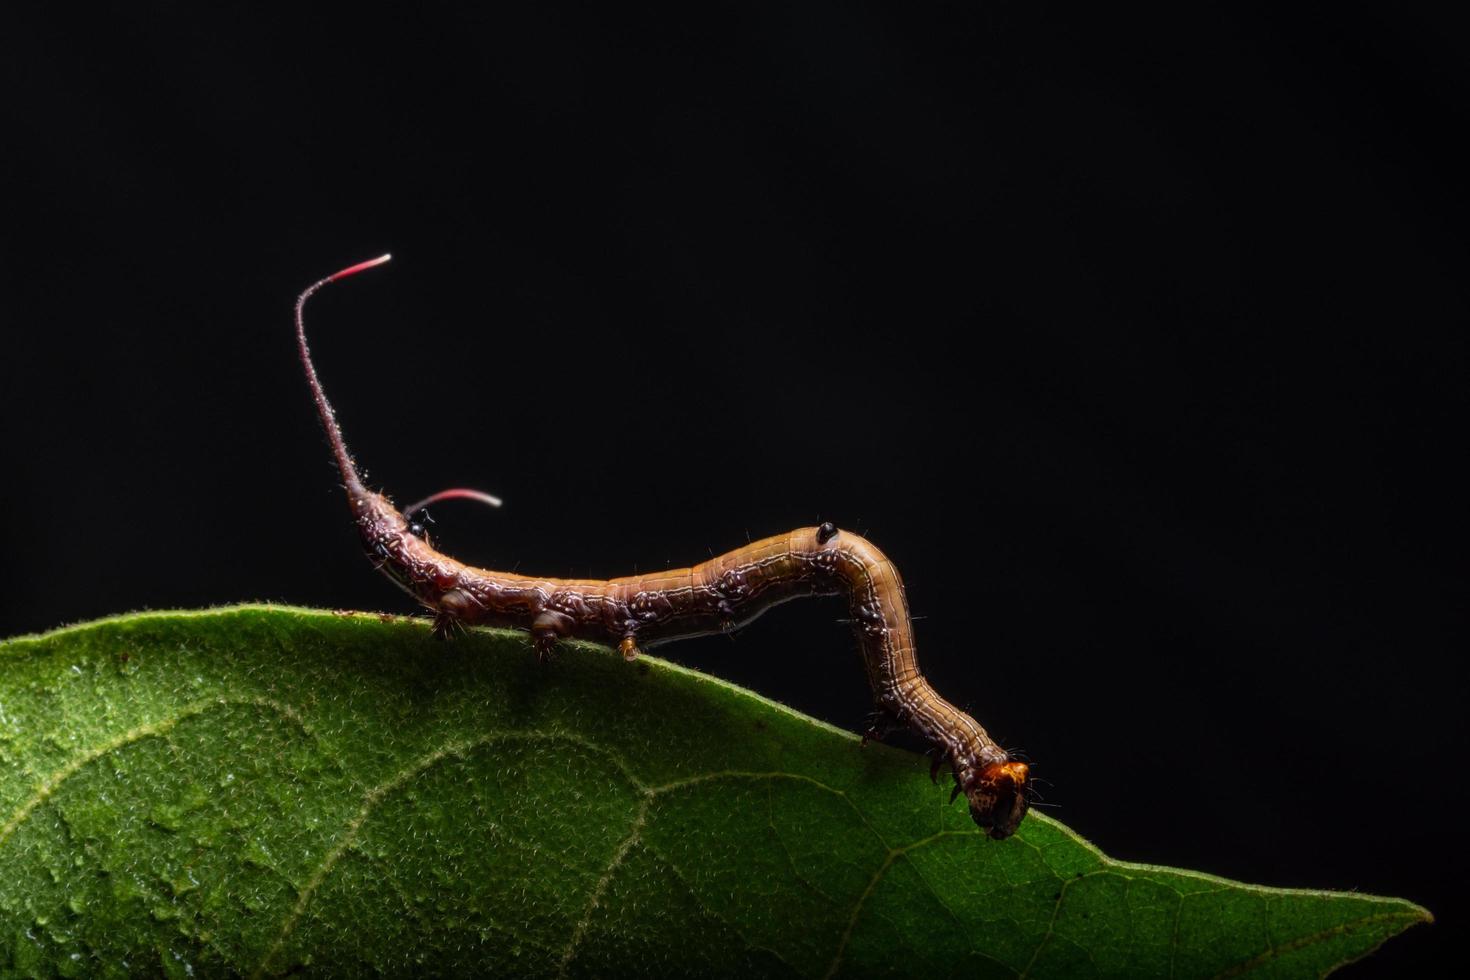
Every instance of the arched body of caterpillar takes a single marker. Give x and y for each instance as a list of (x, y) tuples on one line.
[(719, 595)]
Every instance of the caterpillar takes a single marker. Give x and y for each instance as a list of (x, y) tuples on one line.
[(720, 595)]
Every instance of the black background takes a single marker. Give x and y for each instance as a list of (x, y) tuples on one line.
[(1137, 341)]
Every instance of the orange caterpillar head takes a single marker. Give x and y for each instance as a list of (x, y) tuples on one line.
[(997, 796)]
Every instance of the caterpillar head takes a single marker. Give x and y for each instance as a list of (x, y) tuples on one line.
[(997, 794)]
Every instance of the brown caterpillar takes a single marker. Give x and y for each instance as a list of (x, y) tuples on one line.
[(719, 595)]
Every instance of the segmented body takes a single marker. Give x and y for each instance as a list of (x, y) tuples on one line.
[(716, 596)]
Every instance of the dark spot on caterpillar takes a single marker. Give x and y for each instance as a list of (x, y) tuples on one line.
[(826, 532), (416, 529), (870, 619), (732, 584), (651, 606)]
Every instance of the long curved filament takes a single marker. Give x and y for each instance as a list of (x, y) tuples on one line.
[(455, 493), (324, 407)]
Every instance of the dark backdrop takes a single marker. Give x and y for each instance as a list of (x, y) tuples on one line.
[(1136, 341)]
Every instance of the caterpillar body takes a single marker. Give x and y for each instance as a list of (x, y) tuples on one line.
[(722, 594)]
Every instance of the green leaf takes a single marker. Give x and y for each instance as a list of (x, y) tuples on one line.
[(262, 790)]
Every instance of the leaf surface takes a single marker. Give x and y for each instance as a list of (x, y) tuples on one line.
[(262, 790)]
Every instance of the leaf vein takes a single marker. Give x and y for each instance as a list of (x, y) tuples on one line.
[(397, 781), (704, 907), (161, 726), (594, 898), (1342, 928), (893, 855), (708, 777)]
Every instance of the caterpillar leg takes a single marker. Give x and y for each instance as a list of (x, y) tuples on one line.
[(727, 616), (545, 645), (629, 648), (937, 763), (881, 724), (547, 630), (454, 607), (446, 626)]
